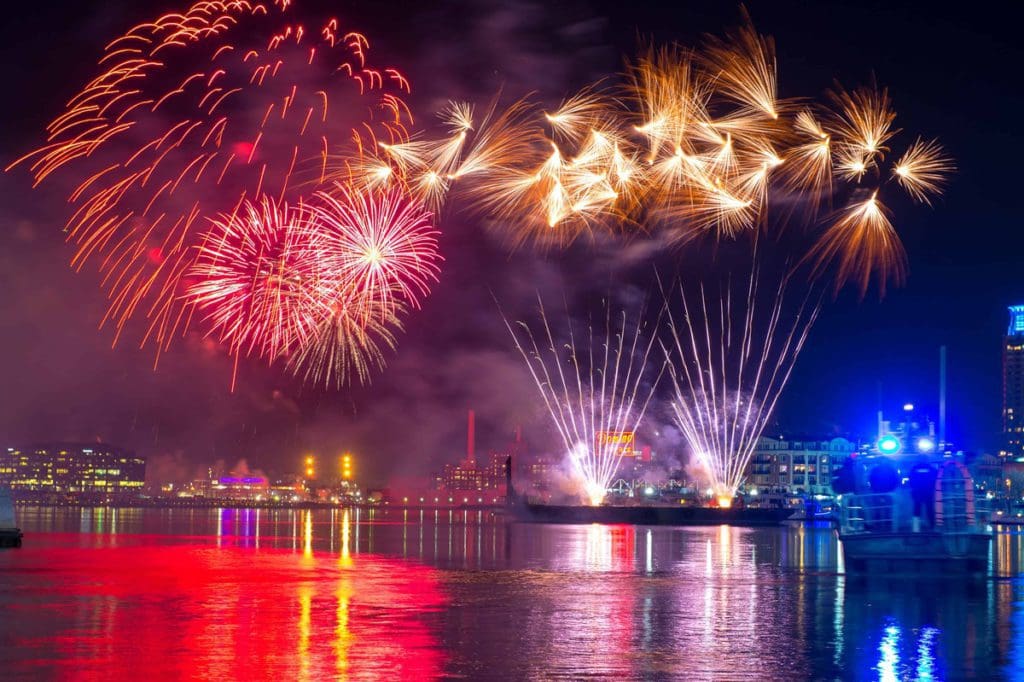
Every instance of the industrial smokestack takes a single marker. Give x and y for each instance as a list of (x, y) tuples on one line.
[(471, 440)]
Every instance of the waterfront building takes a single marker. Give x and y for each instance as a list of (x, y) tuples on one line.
[(986, 470), (794, 466), (90, 468), (471, 475), (486, 474), (1013, 386), (241, 487)]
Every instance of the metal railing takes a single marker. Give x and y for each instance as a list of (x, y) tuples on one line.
[(865, 513)]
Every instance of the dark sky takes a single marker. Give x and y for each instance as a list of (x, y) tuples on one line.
[(953, 71)]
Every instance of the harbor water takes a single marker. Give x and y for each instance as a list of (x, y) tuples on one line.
[(424, 594)]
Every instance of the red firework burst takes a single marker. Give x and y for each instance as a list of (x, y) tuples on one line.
[(379, 244), (256, 279), (193, 115)]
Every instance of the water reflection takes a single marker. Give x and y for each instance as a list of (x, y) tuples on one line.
[(356, 594)]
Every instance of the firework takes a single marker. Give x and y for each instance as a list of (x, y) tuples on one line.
[(321, 285), (696, 142), (257, 281), (380, 245), (861, 243), (593, 391), (744, 64), (190, 118), (731, 352), (349, 343), (923, 170)]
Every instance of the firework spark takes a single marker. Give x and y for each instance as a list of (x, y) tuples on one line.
[(190, 118), (731, 352), (923, 170), (257, 281), (380, 245), (349, 343), (593, 390)]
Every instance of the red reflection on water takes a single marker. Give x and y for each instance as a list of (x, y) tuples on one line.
[(192, 611)]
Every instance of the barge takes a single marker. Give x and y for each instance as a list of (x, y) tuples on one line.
[(519, 509), (650, 515)]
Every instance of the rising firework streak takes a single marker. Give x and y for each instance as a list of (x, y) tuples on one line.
[(598, 387)]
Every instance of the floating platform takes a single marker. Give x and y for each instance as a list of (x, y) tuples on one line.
[(10, 537), (650, 515), (924, 552)]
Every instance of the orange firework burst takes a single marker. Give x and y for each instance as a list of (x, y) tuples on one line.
[(190, 118), (862, 242), (923, 170), (697, 142)]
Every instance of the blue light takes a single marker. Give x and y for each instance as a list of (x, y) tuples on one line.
[(1016, 320), (925, 444), (889, 445)]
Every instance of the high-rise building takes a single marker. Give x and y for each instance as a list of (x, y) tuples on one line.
[(93, 468), (1013, 385)]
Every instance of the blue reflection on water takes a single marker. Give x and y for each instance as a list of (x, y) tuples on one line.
[(926, 653), (889, 654), (889, 667)]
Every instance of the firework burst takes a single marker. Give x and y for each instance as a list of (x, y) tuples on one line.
[(379, 245), (191, 117), (257, 280)]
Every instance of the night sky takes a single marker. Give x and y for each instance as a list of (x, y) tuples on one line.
[(953, 73)]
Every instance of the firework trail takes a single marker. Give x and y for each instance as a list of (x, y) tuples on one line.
[(594, 391), (192, 117), (699, 145), (731, 352)]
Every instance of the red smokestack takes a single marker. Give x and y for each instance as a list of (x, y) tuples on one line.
[(471, 440)]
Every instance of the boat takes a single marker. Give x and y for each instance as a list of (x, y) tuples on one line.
[(649, 514), (519, 509), (10, 534), (910, 513)]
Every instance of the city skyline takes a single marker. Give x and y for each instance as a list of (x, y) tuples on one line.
[(511, 340), (185, 406)]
